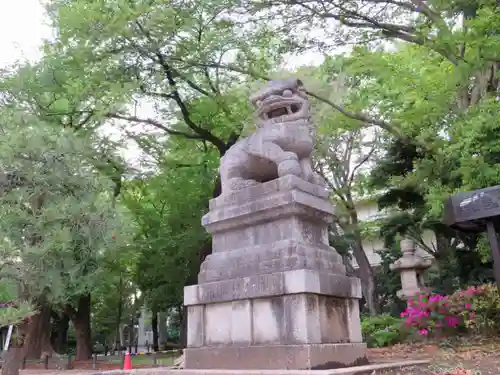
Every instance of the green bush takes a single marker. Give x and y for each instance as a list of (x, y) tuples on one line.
[(382, 330), (173, 333), (480, 307)]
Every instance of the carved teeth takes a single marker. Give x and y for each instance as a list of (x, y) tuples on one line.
[(280, 113)]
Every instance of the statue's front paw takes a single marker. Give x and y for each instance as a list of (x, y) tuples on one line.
[(239, 183), (288, 167)]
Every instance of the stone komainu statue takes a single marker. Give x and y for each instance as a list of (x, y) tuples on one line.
[(282, 144)]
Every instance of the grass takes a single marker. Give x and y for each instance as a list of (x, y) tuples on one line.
[(163, 359)]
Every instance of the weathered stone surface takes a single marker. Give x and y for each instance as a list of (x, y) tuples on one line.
[(273, 284), (269, 209), (292, 227), (353, 321), (284, 183), (281, 145), (241, 312), (318, 356), (411, 267), (283, 255), (290, 319), (218, 323), (283, 227), (196, 325)]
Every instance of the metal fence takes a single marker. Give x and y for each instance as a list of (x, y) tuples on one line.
[(140, 360)]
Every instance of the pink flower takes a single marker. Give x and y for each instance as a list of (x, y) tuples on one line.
[(423, 332), (436, 298), (471, 291), (451, 321)]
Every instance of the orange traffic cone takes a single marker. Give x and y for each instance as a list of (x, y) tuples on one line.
[(127, 362)]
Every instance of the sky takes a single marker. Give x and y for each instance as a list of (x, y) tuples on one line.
[(22, 28)]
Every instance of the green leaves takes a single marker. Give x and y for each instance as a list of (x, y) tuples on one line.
[(12, 310), (167, 208), (57, 214), (15, 315)]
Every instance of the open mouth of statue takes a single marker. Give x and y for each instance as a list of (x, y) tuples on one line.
[(282, 111)]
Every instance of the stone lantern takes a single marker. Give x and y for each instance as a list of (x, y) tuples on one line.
[(411, 267)]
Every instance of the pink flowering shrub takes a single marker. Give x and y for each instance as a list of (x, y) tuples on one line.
[(479, 307), (437, 315)]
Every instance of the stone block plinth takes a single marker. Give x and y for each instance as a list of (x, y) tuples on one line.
[(274, 294)]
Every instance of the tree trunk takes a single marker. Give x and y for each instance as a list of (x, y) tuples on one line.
[(366, 273), (59, 338), (38, 332), (119, 315), (154, 327), (368, 289), (81, 321), (162, 330), (131, 335), (183, 331), (13, 360)]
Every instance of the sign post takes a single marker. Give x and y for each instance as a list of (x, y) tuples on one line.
[(477, 211)]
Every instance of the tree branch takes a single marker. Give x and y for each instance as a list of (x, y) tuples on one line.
[(355, 18), (355, 116), (402, 4), (154, 123), (360, 164), (169, 75), (369, 22)]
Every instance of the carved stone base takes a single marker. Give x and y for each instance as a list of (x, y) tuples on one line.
[(277, 357), (272, 285), (283, 255), (286, 308), (273, 294)]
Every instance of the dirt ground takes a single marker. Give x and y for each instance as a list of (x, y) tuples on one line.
[(459, 358), (466, 358)]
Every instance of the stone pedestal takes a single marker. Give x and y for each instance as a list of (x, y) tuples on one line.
[(273, 295)]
